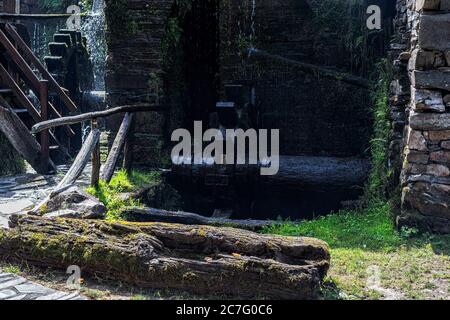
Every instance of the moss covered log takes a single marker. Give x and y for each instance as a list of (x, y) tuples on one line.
[(198, 259)]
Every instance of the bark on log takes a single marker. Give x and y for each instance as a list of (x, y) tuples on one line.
[(158, 215), (114, 153), (199, 259), (91, 115)]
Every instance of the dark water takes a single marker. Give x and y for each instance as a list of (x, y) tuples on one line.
[(254, 201)]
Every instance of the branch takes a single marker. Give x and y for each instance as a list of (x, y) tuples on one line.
[(92, 115)]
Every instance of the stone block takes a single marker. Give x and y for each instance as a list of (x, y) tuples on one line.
[(440, 156), (434, 32), (417, 157), (416, 141), (426, 100), (438, 170), (436, 79), (428, 5), (439, 135), (429, 121), (446, 144), (445, 5), (421, 60)]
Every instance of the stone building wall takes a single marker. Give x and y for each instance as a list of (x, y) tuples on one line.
[(135, 29), (317, 116), (425, 178)]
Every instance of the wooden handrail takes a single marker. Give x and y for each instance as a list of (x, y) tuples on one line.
[(6, 77), (35, 61), (92, 115), (30, 77)]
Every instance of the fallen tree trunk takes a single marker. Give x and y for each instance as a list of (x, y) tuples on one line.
[(199, 259), (114, 153), (158, 215)]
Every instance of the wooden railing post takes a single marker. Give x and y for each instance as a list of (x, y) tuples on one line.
[(95, 157), (128, 147), (45, 147)]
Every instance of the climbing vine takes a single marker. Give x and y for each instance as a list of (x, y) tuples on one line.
[(120, 19)]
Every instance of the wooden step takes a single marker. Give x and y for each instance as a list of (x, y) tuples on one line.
[(18, 111), (5, 91)]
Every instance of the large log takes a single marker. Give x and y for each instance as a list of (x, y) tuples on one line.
[(114, 153), (199, 259), (158, 215), (295, 173)]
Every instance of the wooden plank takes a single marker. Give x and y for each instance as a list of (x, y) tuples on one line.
[(158, 215), (128, 148), (119, 142), (95, 176), (91, 115), (19, 137), (30, 77), (35, 61), (9, 81), (45, 145)]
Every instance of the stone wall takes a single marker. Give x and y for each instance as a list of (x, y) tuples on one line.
[(135, 29), (425, 178), (317, 116)]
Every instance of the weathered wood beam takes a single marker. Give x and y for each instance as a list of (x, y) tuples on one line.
[(199, 259), (91, 115), (313, 69), (119, 142), (75, 170), (158, 215)]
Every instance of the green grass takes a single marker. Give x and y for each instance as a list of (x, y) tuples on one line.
[(122, 182), (410, 264)]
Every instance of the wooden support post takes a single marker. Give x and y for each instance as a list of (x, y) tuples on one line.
[(45, 146), (96, 163), (128, 147)]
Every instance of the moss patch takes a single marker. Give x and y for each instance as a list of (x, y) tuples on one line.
[(11, 162), (123, 182)]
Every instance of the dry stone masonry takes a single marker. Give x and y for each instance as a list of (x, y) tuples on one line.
[(425, 178)]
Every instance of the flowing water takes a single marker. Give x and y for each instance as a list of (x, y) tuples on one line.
[(94, 30)]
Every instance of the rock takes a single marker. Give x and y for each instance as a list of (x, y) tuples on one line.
[(65, 213), (447, 56), (446, 100), (417, 157), (429, 121), (445, 145), (421, 60), (15, 206), (438, 170), (416, 141), (75, 199), (428, 199), (427, 4), (404, 56), (439, 135), (439, 60), (434, 32), (426, 100), (436, 79), (440, 156)]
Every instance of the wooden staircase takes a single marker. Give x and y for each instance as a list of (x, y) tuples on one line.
[(25, 90)]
